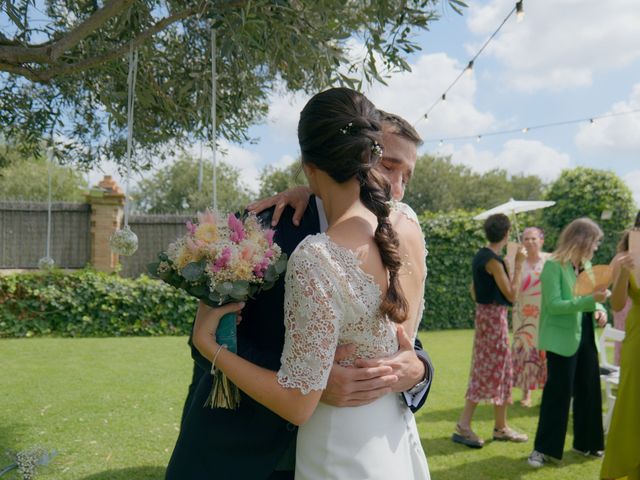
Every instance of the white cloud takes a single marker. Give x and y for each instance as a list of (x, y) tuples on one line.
[(284, 161), (411, 94), (284, 112), (245, 160), (614, 135), (529, 157), (632, 179), (561, 43)]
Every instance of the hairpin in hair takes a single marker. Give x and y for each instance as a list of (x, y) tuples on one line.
[(347, 129), (376, 149)]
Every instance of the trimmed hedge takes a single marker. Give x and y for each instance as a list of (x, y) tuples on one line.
[(90, 303), (453, 238), (87, 303)]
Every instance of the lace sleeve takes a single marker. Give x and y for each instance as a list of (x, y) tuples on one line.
[(312, 321)]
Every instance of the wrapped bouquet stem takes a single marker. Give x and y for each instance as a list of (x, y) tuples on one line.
[(222, 259), (224, 393)]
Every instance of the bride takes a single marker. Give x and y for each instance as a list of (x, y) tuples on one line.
[(357, 283)]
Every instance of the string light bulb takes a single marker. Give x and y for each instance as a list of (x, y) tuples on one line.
[(519, 11), (444, 97), (478, 138), (592, 121), (525, 129), (469, 69), (426, 117), (440, 143)]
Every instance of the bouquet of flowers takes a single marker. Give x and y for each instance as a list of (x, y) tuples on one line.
[(222, 259)]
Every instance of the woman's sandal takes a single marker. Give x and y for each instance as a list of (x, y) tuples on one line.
[(508, 435), (467, 437)]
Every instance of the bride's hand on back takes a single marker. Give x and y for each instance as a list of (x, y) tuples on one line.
[(405, 364), (356, 386)]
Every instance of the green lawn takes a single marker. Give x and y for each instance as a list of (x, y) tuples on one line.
[(111, 408)]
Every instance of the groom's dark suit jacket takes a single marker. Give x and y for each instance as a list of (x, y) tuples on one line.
[(246, 443)]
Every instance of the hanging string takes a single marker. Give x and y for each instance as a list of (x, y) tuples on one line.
[(200, 170), (131, 85), (213, 116), (47, 262), (124, 241), (479, 136), (50, 169)]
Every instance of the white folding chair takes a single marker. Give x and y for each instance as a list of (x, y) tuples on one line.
[(609, 373)]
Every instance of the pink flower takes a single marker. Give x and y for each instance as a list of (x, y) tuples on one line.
[(222, 260), (268, 235), (193, 245), (191, 228), (261, 267), (237, 229), (206, 217), (247, 252)]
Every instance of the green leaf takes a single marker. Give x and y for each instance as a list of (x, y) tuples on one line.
[(193, 271), (199, 290), (270, 275), (281, 265), (225, 288), (240, 290), (152, 268)]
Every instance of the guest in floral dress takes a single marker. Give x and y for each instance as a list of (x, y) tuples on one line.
[(491, 373), (529, 366)]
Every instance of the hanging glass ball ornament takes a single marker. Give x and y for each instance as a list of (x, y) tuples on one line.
[(124, 242), (46, 263)]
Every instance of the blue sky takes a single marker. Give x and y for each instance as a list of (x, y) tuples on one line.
[(567, 59)]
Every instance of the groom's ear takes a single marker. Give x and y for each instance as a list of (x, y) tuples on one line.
[(308, 169)]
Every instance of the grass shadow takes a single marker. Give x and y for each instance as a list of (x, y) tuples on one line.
[(502, 468), (133, 473), (484, 412), (10, 436)]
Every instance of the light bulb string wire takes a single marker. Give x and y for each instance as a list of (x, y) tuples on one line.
[(469, 65), (533, 127)]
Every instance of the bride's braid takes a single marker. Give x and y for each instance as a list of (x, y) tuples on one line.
[(374, 193), (340, 133)]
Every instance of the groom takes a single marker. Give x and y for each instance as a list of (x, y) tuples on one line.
[(253, 442)]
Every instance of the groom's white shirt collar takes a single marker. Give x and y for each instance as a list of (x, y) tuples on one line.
[(324, 224)]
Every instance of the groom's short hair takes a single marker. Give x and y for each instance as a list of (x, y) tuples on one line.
[(400, 126)]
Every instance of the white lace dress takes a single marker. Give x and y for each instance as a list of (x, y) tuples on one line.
[(330, 300)]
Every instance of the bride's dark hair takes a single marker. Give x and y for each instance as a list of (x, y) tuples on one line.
[(340, 133)]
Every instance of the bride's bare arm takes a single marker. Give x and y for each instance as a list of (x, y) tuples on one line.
[(259, 383)]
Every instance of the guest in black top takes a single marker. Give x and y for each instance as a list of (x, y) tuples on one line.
[(491, 375)]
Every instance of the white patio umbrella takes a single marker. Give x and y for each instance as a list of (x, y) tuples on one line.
[(515, 206)]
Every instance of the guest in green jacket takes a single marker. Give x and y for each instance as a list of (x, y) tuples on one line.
[(567, 334)]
